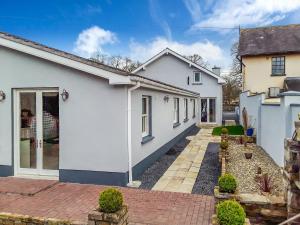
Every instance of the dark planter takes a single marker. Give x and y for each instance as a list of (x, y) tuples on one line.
[(250, 132), (248, 155)]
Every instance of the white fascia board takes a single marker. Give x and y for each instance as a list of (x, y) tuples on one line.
[(163, 87), (112, 77), (169, 51)]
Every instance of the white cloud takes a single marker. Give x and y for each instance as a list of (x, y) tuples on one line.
[(158, 16), (92, 40), (231, 13), (193, 6), (208, 50)]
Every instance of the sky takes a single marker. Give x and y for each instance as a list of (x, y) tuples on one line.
[(140, 29)]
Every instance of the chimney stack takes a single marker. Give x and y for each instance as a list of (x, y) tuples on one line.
[(216, 70)]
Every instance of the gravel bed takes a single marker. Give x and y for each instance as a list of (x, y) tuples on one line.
[(245, 170), (158, 168), (210, 171)]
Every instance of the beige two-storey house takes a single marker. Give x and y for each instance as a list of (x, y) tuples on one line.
[(270, 58)]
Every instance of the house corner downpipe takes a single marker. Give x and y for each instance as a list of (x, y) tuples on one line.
[(129, 142)]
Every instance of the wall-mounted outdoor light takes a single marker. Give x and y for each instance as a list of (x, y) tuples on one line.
[(166, 98), (2, 96), (64, 95)]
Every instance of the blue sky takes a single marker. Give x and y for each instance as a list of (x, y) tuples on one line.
[(141, 28)]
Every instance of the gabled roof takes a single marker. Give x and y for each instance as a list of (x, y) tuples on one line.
[(270, 40), (115, 76), (182, 58)]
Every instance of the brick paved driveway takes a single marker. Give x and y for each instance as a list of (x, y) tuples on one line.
[(73, 202)]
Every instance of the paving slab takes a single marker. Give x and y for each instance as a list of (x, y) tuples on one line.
[(187, 164), (24, 186)]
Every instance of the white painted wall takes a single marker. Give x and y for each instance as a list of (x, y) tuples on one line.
[(92, 121), (274, 122), (162, 122), (273, 132), (170, 69), (252, 104)]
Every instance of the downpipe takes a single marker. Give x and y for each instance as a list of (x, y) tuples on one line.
[(129, 131)]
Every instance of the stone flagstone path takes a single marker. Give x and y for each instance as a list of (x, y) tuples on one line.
[(181, 175)]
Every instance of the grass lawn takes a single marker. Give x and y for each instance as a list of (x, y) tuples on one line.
[(232, 130)]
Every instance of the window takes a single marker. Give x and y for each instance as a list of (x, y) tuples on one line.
[(176, 110), (186, 111), (194, 107), (278, 65), (146, 109), (197, 78)]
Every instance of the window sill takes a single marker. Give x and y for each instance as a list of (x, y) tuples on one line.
[(197, 83), (278, 75), (146, 139), (185, 120), (176, 124)]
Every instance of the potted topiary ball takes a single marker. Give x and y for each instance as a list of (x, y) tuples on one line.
[(224, 145), (227, 183), (230, 212), (224, 133), (111, 209)]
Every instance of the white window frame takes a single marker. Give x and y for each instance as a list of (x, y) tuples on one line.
[(146, 116), (194, 107), (186, 109), (200, 77), (176, 110)]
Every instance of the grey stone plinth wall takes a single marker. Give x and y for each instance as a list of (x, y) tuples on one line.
[(292, 159), (100, 218)]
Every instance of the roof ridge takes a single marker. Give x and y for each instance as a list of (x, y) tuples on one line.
[(270, 27), (56, 51)]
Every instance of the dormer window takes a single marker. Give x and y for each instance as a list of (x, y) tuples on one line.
[(197, 77)]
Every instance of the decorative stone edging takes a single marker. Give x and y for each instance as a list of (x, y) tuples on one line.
[(100, 218), (265, 208), (16, 219), (214, 220)]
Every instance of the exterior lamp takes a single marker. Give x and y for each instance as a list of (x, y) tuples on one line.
[(2, 96), (64, 95), (166, 98)]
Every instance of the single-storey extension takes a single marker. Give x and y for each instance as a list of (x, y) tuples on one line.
[(76, 120)]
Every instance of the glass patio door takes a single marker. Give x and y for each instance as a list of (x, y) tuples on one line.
[(37, 132), (208, 110)]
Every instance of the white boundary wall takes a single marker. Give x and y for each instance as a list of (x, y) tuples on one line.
[(272, 122)]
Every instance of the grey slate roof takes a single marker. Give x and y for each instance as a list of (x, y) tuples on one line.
[(89, 62), (60, 53), (270, 40)]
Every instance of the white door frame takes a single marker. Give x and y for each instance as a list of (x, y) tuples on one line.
[(207, 102), (39, 171)]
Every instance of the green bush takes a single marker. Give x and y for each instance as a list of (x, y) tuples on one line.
[(224, 144), (110, 200), (224, 130), (230, 212), (227, 183)]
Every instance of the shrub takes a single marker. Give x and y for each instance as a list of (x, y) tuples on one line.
[(227, 183), (224, 130), (265, 183), (224, 144), (110, 200), (230, 212)]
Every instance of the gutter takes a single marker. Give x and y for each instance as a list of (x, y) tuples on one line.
[(129, 132), (151, 84)]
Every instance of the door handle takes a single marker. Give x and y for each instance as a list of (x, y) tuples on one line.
[(40, 143)]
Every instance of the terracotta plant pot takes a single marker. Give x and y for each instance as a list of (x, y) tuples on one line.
[(248, 155)]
